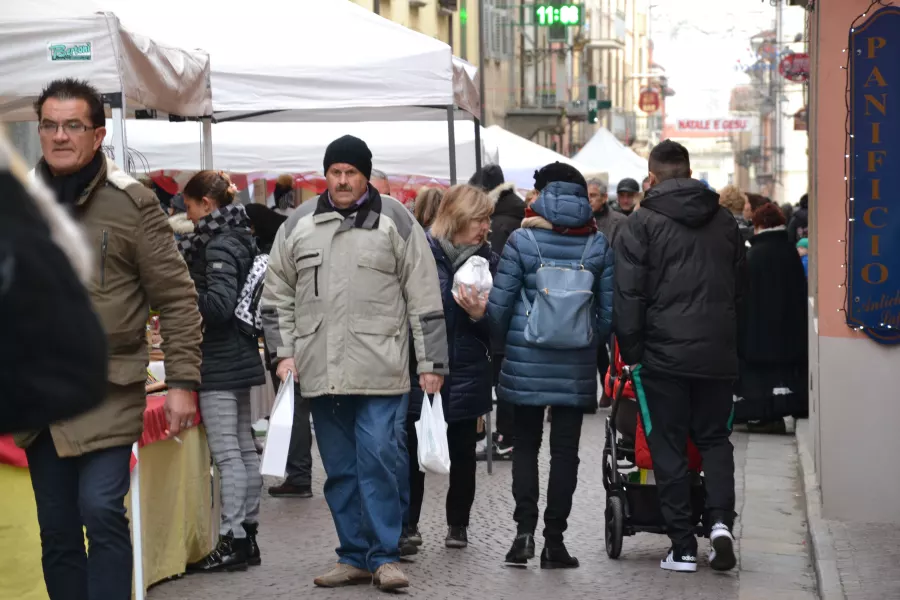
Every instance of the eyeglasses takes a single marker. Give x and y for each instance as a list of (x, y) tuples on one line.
[(69, 127)]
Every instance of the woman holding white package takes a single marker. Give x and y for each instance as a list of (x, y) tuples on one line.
[(465, 263)]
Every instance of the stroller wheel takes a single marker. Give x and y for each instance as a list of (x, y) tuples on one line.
[(615, 522)]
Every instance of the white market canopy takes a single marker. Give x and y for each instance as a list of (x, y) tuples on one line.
[(604, 152), (520, 158), (399, 148), (321, 60), (50, 39)]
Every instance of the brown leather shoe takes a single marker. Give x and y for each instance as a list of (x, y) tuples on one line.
[(343, 575), (389, 577)]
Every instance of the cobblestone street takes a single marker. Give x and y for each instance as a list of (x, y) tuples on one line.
[(297, 540)]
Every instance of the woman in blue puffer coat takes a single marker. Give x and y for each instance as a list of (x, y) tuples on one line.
[(459, 232), (533, 378)]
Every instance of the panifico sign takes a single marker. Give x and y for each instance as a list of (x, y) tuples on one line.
[(649, 101)]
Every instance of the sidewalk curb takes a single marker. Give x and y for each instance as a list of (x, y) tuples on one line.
[(821, 541)]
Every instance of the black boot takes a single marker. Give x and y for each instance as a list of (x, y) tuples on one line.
[(228, 555), (253, 556), (557, 557), (522, 549)]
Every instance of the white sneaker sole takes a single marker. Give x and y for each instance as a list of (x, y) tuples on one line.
[(721, 557), (678, 567)]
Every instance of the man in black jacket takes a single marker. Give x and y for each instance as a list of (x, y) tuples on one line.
[(678, 264), (509, 210)]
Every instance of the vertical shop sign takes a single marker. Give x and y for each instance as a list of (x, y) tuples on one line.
[(873, 255)]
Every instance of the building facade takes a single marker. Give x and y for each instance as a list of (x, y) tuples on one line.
[(537, 76), (854, 380)]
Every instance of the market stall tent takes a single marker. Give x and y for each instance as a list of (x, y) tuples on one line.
[(313, 58), (400, 148), (53, 39), (604, 152), (520, 158)]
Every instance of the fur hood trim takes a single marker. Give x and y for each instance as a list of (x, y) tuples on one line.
[(505, 187), (180, 224)]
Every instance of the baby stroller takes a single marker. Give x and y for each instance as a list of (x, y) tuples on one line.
[(632, 501)]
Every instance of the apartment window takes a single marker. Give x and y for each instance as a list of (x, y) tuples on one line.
[(498, 30)]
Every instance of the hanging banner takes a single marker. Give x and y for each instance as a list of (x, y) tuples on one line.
[(873, 247), (723, 126)]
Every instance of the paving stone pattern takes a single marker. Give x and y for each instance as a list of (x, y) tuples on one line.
[(297, 540)]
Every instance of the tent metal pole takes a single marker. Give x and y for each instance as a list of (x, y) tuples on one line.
[(206, 143), (120, 147), (451, 136), (478, 157)]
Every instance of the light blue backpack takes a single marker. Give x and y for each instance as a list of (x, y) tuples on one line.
[(562, 316)]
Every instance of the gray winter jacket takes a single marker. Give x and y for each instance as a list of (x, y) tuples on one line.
[(341, 294)]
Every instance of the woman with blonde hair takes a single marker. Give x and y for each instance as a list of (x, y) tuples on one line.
[(732, 198), (459, 232), (426, 205)]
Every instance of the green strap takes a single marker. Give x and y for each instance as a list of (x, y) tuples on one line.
[(642, 398), (731, 419)]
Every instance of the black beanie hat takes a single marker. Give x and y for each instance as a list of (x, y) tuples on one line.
[(558, 172), (352, 151)]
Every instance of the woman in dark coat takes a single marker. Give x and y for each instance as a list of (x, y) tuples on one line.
[(219, 255), (458, 233), (772, 326)]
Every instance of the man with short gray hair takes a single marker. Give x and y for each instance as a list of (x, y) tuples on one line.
[(608, 221)]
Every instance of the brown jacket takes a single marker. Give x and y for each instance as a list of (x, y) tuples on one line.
[(138, 266)]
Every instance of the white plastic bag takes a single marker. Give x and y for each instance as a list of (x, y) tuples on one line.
[(278, 437), (431, 429), (474, 272)]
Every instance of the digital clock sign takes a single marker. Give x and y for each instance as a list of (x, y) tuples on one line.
[(566, 15)]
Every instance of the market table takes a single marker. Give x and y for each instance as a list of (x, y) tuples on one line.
[(175, 505)]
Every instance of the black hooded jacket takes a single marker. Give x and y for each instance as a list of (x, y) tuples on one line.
[(509, 209), (798, 226), (679, 264)]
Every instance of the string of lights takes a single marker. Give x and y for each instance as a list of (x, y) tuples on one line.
[(848, 184)]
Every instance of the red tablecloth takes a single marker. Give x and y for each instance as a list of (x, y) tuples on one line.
[(155, 426)]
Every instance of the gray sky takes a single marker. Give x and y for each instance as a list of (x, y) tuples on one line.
[(699, 42)]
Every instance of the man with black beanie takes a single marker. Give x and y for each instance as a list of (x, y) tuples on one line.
[(677, 284), (348, 275)]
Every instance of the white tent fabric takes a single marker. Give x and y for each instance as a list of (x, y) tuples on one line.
[(306, 56), (51, 39), (604, 152), (520, 158), (399, 148)]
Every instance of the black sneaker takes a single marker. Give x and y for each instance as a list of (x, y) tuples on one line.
[(228, 555), (679, 560), (456, 537), (407, 548), (721, 551), (522, 550), (254, 558), (557, 557), (288, 490), (503, 449), (415, 538)]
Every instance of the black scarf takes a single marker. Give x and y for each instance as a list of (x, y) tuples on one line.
[(232, 216), (69, 188)]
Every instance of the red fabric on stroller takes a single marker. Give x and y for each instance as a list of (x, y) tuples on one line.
[(642, 457)]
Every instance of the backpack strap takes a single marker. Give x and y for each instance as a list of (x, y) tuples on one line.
[(531, 237), (587, 248)]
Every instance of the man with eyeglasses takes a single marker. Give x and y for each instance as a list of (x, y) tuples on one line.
[(80, 467)]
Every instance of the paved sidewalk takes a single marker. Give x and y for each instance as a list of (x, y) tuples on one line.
[(853, 560), (297, 539)]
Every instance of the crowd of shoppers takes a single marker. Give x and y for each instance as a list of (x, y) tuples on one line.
[(361, 311)]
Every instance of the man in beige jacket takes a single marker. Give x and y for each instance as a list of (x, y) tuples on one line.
[(80, 467), (350, 274)]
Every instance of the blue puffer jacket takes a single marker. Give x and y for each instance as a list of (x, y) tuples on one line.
[(466, 392), (540, 376)]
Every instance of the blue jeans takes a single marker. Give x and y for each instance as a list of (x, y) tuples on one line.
[(358, 445), (403, 459), (89, 491)]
